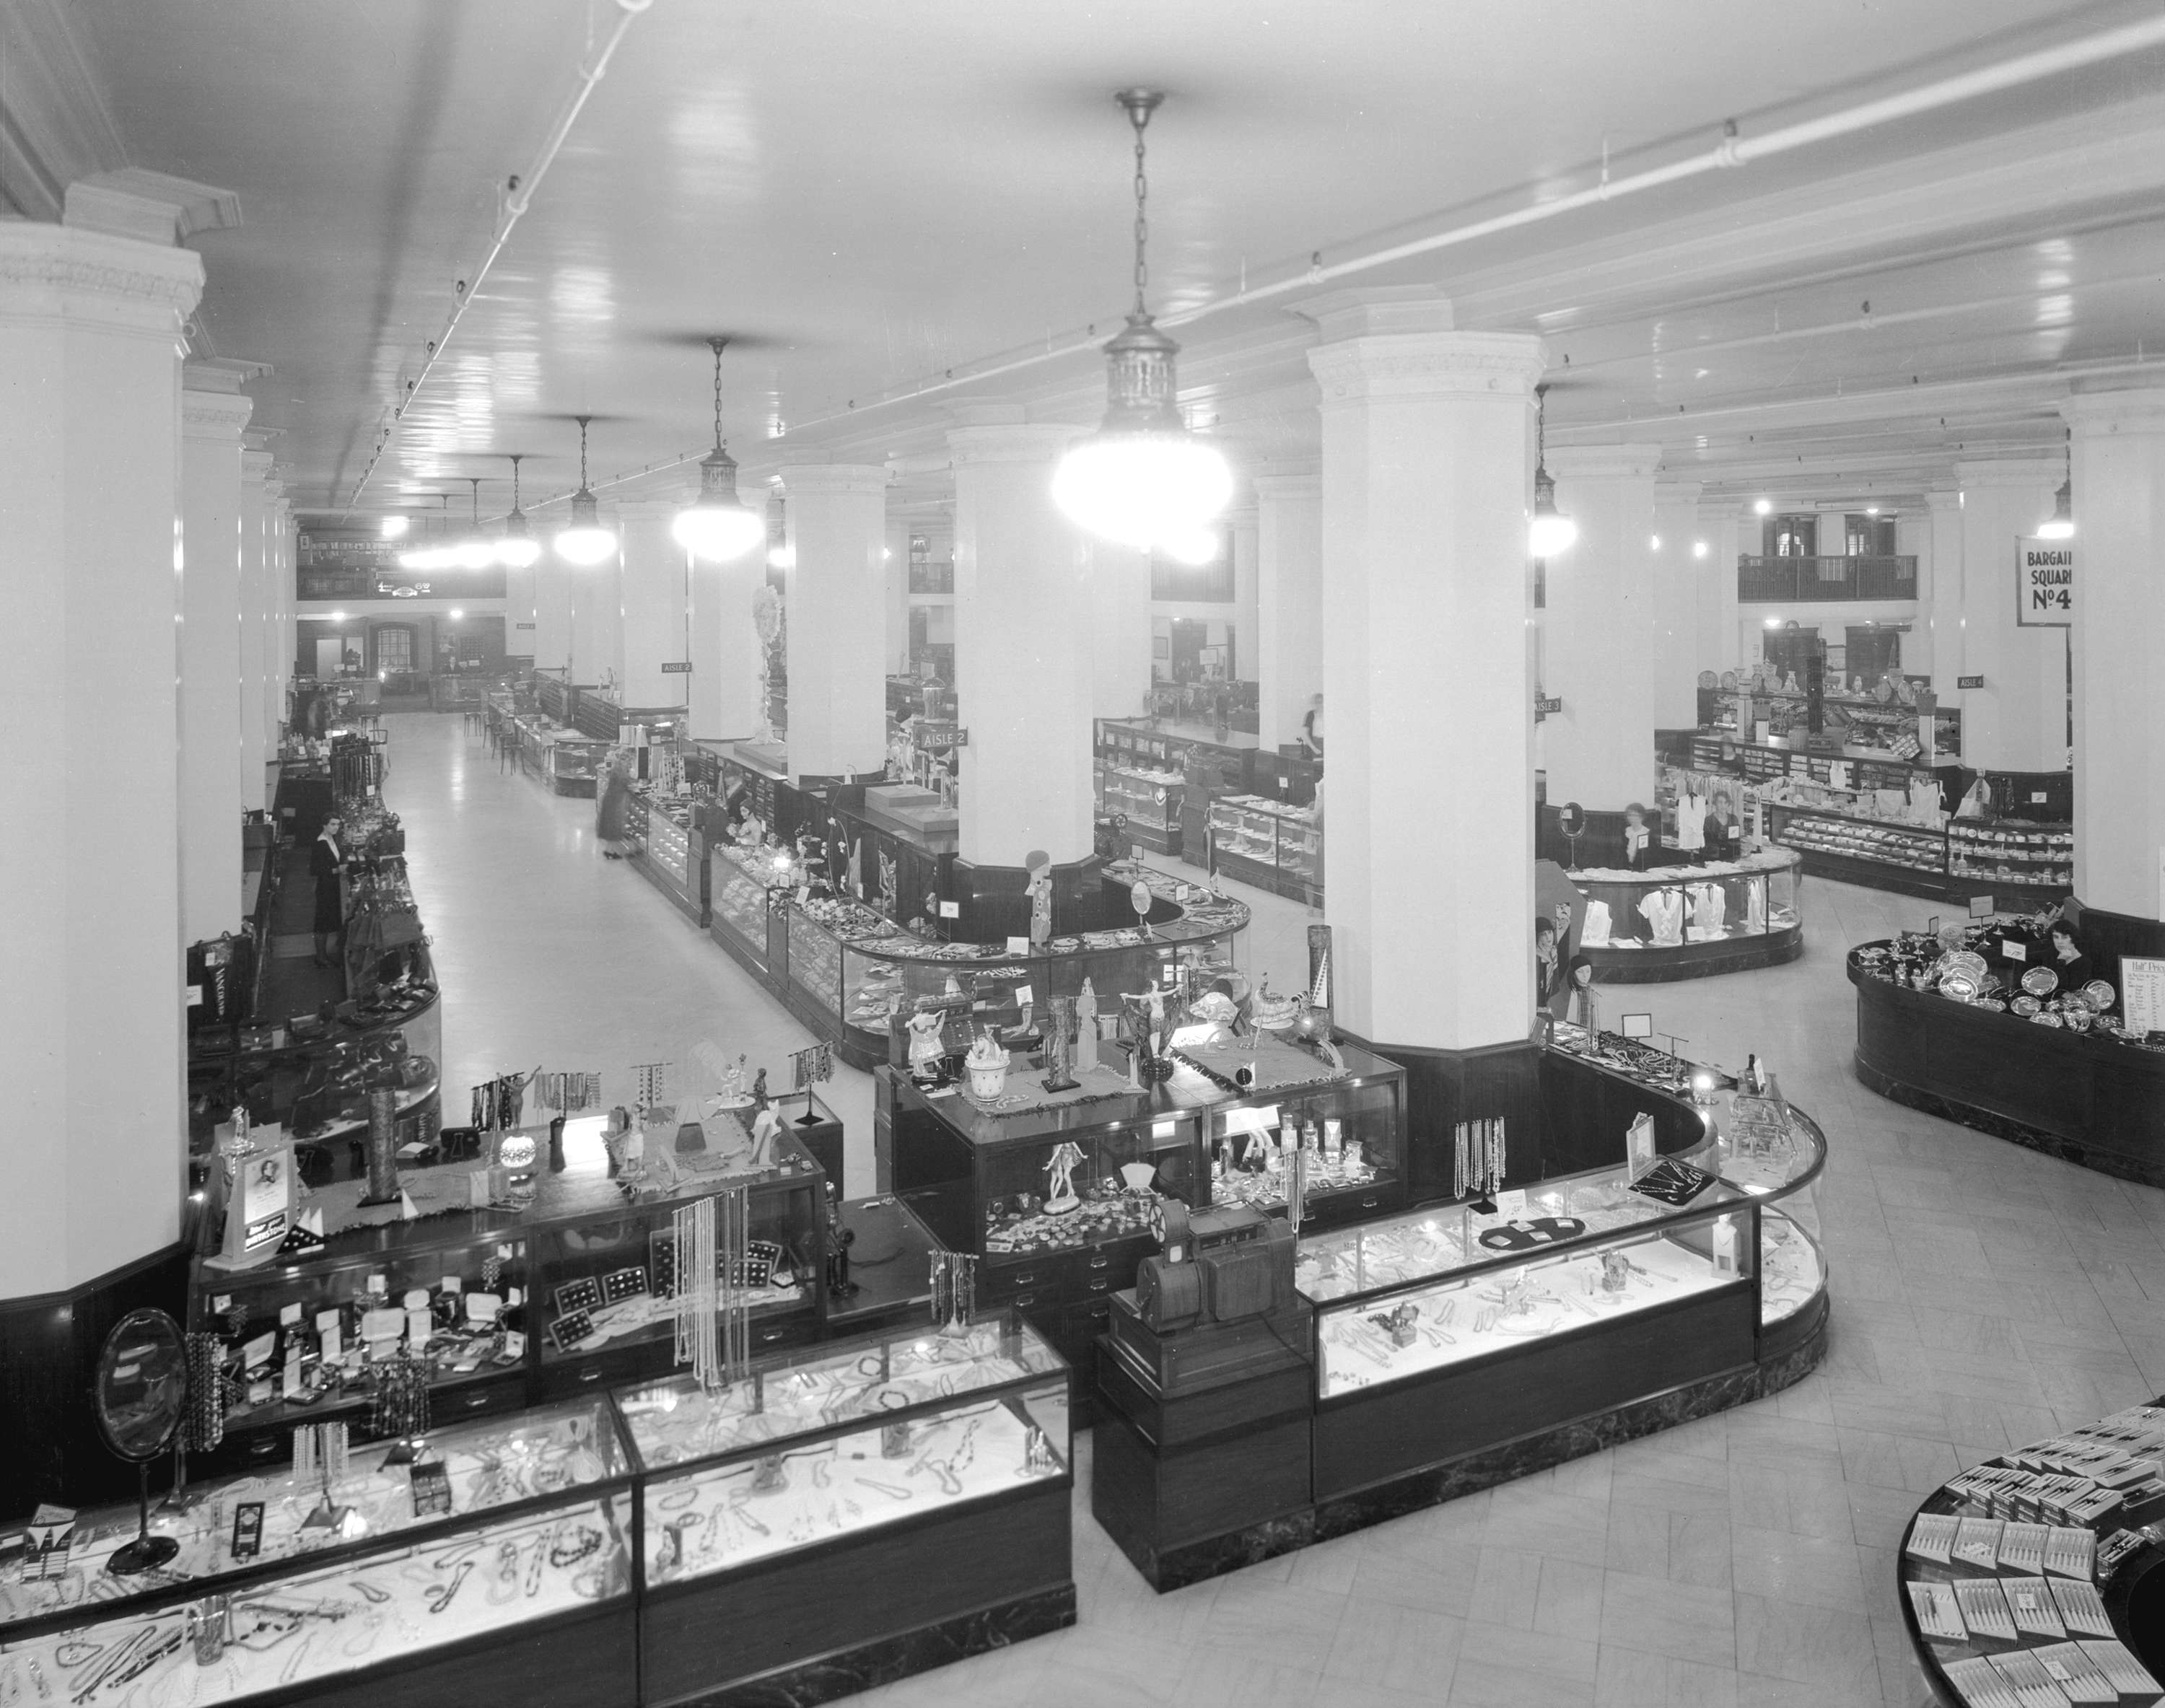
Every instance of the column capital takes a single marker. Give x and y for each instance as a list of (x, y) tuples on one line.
[(1941, 503), (2103, 414), (1366, 311), (856, 479), (256, 465), (55, 271), (649, 508), (1434, 363), (1011, 441), (2017, 472), (1714, 512), (1682, 491), (1588, 462), (150, 207), (1277, 482), (218, 416)]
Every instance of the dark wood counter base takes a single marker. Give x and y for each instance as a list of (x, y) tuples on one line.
[(1125, 1465), (2015, 1132)]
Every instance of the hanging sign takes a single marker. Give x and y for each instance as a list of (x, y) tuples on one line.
[(1969, 682), (682, 668), (941, 740), (1547, 708), (2043, 582)]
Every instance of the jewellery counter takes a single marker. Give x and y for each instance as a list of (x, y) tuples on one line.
[(510, 1579), (1268, 843), (1443, 1349), (844, 1517), (1692, 920), (850, 973), (828, 1522), (2080, 1087), (2038, 1576), (561, 1284), (669, 850), (988, 1182)]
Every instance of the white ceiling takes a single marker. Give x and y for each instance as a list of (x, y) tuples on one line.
[(873, 193)]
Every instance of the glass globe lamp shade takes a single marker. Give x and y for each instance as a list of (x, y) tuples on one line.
[(717, 526), (518, 548), (1143, 479), (2061, 524), (474, 553), (586, 542), (1195, 549), (1550, 532)]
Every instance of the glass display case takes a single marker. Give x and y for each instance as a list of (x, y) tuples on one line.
[(741, 882), (512, 1527), (1679, 921), (1268, 843), (1352, 1131), (833, 1505), (2012, 855), (1148, 796), (1817, 830)]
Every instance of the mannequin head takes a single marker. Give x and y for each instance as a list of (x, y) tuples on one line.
[(1581, 972), (1544, 938)]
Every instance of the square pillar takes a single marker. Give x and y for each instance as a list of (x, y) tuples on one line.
[(726, 640), (259, 502), (654, 601), (595, 652), (2018, 720), (1721, 639), (213, 413), (1121, 633), (1940, 612), (1677, 578)]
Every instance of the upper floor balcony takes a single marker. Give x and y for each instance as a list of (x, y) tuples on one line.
[(349, 583), (1793, 580)]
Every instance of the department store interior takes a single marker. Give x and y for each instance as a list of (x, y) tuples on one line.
[(1169, 853)]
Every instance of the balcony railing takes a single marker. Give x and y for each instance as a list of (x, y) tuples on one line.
[(398, 584), (1797, 580)]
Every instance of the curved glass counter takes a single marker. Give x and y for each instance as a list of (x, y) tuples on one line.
[(1440, 1286), (1687, 921), (846, 967)]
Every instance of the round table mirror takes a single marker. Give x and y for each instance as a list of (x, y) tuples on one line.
[(140, 1394)]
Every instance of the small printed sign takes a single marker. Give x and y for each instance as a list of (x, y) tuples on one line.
[(2045, 583), (1969, 682), (679, 667)]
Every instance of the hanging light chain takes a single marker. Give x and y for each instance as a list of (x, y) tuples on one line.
[(718, 343), (1138, 116), (515, 458), (583, 419)]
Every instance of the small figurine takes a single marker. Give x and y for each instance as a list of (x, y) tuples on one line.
[(1039, 865), (1086, 1029), (925, 1047), (1067, 1156)]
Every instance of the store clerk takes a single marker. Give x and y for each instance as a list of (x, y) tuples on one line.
[(2067, 958)]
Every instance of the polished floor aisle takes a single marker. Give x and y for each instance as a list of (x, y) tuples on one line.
[(1983, 1296)]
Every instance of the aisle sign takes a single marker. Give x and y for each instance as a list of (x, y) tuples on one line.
[(2143, 994), (676, 669), (2043, 582)]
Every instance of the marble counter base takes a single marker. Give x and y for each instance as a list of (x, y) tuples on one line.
[(871, 1664), (1213, 1556), (2120, 1167)]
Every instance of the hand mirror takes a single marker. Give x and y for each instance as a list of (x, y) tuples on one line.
[(141, 1389)]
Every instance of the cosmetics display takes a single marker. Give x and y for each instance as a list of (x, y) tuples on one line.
[(1690, 920), (904, 1493), (2032, 1577), (1989, 1023)]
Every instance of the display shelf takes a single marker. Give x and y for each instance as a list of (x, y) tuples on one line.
[(833, 1520), (1689, 920), (1268, 844), (2029, 1578)]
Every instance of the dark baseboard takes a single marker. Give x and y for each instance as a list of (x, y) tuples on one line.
[(49, 1347)]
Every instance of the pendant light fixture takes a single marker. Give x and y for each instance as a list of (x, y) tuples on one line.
[(477, 551), (1143, 479), (585, 541), (427, 555), (518, 548), (719, 525), (1550, 532)]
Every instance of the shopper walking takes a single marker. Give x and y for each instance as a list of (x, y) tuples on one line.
[(324, 862), (610, 807)]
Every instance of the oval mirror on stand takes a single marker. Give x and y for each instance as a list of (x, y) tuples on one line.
[(139, 1397)]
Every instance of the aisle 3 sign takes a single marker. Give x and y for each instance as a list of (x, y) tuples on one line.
[(2043, 582)]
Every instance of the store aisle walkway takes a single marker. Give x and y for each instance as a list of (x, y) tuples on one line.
[(550, 956), (1984, 1296)]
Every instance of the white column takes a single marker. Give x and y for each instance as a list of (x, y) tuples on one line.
[(724, 644), (894, 657), (1246, 638), (1023, 635), (2118, 456), (1943, 615), (1913, 538), (518, 618), (2018, 720), (1289, 601), (213, 413), (258, 501), (1599, 634), (277, 646), (1720, 642), (837, 513), (595, 647), (654, 603), (90, 888), (1426, 466), (1120, 631), (1676, 587), (552, 611)]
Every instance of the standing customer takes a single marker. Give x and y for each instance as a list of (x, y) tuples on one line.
[(609, 809), (1311, 728), (324, 861)]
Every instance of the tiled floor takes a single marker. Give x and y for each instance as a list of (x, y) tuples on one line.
[(1984, 1296)]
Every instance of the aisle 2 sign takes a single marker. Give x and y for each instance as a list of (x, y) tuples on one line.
[(2043, 582)]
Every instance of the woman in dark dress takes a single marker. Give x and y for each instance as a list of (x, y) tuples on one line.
[(610, 805), (323, 863)]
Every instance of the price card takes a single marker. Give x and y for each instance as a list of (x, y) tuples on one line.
[(2142, 993)]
